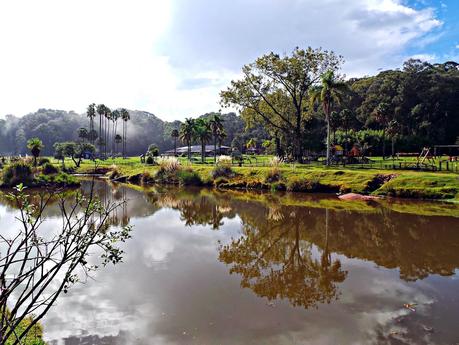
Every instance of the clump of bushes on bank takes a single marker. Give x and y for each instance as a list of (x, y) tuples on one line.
[(21, 171), (49, 169), (188, 177), (223, 168), (309, 186), (16, 173)]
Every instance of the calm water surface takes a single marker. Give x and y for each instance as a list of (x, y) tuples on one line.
[(209, 267)]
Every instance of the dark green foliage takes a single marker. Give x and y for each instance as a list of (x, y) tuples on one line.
[(43, 160), (189, 178), (60, 179), (49, 169), (16, 173), (150, 160)]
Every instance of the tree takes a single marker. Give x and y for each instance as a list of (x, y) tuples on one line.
[(274, 91), (175, 134), (91, 114), (116, 114), (221, 135), (187, 132), (329, 92), (216, 126), (153, 150), (75, 151), (39, 265), (83, 134), (125, 116), (101, 109), (118, 141), (383, 117), (203, 133), (35, 145)]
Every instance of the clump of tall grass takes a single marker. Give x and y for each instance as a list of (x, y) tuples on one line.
[(274, 173), (169, 164)]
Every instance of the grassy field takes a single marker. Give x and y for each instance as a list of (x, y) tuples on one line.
[(388, 182)]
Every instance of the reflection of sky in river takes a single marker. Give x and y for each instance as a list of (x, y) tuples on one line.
[(172, 289)]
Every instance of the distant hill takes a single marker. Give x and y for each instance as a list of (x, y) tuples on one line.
[(144, 129)]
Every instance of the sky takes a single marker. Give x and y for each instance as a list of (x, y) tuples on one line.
[(173, 57)]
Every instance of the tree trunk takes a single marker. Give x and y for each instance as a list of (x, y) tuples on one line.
[(384, 144), (215, 149), (328, 139), (393, 146), (175, 146)]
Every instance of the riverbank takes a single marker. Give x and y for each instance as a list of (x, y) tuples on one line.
[(402, 184)]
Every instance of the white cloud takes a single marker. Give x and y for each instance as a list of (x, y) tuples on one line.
[(457, 46), (172, 57), (424, 57)]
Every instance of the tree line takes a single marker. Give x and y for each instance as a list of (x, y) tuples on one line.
[(304, 104)]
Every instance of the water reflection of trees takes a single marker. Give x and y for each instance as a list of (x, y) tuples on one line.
[(416, 245), (275, 260), (196, 208)]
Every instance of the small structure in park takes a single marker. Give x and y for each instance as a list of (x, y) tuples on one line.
[(196, 150)]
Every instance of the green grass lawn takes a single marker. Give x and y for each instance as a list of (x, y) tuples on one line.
[(408, 184)]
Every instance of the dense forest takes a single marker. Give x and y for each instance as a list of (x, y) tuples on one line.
[(411, 107)]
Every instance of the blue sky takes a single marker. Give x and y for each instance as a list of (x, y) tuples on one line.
[(445, 39), (173, 57)]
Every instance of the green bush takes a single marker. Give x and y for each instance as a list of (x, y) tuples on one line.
[(189, 178), (16, 173), (49, 169), (43, 161), (61, 180), (150, 160), (304, 185), (222, 171)]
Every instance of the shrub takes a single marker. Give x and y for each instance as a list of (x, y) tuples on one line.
[(222, 171), (49, 169), (189, 178), (61, 179), (43, 161), (150, 160), (16, 173)]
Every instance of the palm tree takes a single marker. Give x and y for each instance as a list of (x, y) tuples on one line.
[(382, 116), (187, 131), (35, 145), (330, 91), (83, 134), (216, 126), (175, 134), (91, 114), (101, 112), (221, 135), (115, 116), (107, 118), (203, 133), (125, 116), (118, 141)]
